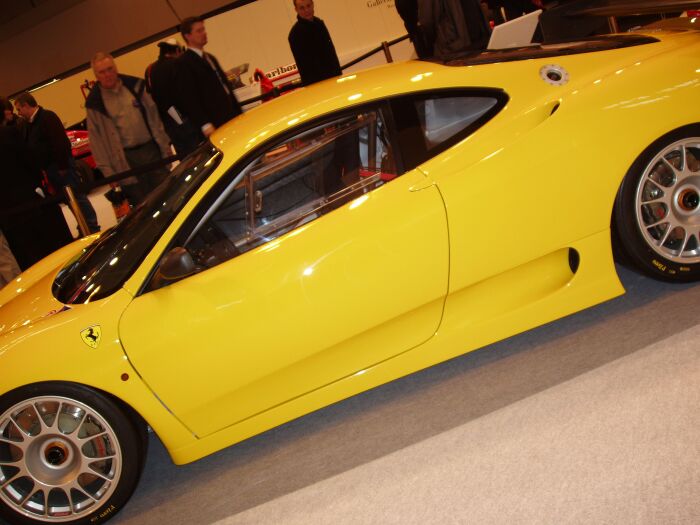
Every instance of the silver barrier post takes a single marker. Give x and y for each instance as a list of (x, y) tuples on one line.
[(80, 219), (387, 52)]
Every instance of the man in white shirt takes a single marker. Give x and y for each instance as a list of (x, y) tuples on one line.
[(203, 94)]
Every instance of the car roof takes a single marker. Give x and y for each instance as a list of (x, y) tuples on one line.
[(504, 70)]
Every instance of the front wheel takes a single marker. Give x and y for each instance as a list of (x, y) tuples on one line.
[(657, 209), (68, 454)]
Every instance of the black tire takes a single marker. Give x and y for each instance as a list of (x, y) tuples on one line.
[(656, 218), (55, 437)]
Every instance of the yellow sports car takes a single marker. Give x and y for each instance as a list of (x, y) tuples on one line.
[(340, 237)]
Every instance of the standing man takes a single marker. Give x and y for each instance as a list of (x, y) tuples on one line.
[(312, 46), (125, 129), (161, 83), (51, 151), (8, 116), (453, 27), (32, 228), (408, 11), (204, 94)]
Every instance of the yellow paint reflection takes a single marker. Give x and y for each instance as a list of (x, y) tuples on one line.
[(358, 202), (487, 157), (421, 76), (272, 245), (214, 157)]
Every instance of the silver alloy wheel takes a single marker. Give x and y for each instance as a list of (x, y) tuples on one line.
[(59, 459), (668, 202)]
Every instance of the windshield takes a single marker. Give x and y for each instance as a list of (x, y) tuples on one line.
[(102, 267)]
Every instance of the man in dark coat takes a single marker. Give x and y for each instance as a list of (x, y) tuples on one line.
[(312, 46), (161, 83), (408, 11), (32, 230), (453, 27), (51, 151), (204, 95)]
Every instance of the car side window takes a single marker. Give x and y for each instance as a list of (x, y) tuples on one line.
[(290, 183), (430, 122), (443, 118)]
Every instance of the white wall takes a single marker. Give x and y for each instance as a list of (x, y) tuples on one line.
[(257, 34)]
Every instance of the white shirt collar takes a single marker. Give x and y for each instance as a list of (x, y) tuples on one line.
[(31, 119)]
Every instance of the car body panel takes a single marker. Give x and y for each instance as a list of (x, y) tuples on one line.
[(48, 265), (474, 318), (56, 350), (273, 331), (510, 230)]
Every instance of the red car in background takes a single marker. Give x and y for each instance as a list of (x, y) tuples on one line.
[(80, 144), (85, 162)]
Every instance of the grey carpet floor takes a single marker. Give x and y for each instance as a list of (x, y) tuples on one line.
[(592, 419)]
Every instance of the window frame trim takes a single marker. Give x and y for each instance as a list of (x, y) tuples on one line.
[(209, 203), (425, 154)]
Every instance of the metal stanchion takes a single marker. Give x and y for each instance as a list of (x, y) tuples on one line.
[(73, 203), (612, 24), (387, 52)]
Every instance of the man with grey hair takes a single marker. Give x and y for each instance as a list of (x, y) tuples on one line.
[(125, 129)]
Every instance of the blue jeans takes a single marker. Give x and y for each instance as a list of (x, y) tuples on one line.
[(61, 179)]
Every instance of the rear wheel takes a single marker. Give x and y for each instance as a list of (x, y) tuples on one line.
[(657, 210), (68, 454)]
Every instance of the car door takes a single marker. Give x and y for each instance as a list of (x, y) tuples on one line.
[(311, 262)]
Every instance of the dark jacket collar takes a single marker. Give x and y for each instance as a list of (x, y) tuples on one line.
[(314, 20), (96, 102), (37, 116)]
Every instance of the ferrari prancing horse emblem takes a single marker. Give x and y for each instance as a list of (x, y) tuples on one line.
[(91, 336)]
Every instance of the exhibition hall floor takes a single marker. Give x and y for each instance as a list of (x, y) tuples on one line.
[(591, 419)]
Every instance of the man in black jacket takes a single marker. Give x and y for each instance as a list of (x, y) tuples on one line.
[(51, 151), (312, 46), (408, 11), (161, 83), (32, 228), (204, 95)]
